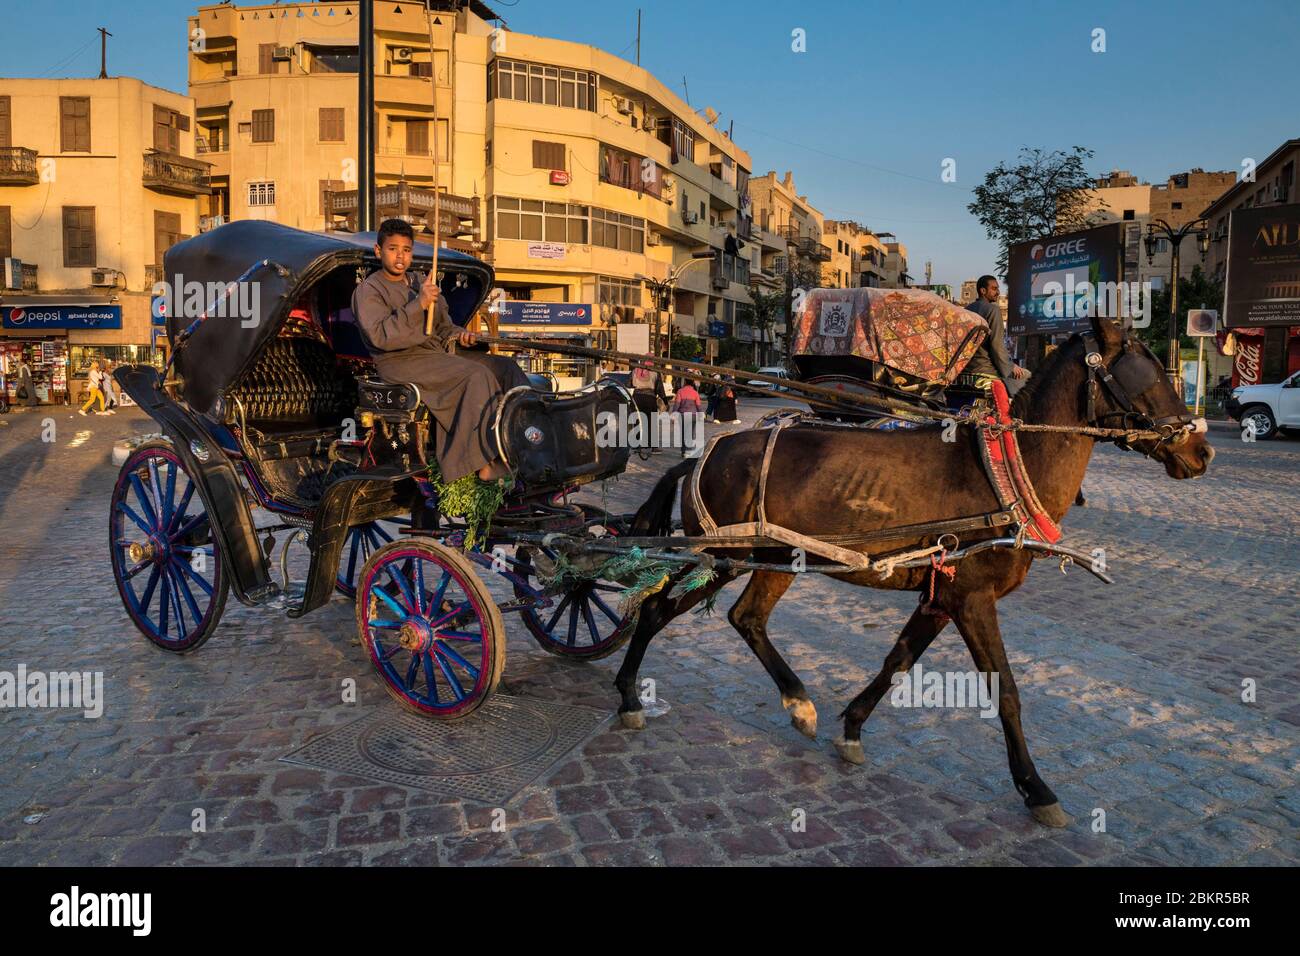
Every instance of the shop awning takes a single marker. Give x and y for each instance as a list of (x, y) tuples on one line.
[(22, 300)]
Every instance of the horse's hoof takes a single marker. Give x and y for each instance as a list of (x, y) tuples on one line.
[(632, 719), (850, 750), (803, 716), (1051, 815)]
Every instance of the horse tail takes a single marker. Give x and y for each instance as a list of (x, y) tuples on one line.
[(655, 517)]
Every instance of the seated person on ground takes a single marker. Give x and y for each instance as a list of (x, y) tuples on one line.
[(461, 390)]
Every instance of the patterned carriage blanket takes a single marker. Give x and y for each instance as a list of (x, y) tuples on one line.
[(910, 330)]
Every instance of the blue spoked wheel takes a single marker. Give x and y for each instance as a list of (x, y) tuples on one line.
[(165, 559), (431, 628), (362, 541), (583, 623)]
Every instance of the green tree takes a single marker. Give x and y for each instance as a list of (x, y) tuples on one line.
[(687, 347), (768, 307), (1194, 292), (1041, 194)]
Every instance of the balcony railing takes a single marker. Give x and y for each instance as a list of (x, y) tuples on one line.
[(171, 173), (18, 166), (810, 248)]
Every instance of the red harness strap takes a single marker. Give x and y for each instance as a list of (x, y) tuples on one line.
[(1006, 472)]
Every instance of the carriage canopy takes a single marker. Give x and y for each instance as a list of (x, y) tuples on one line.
[(911, 331), (254, 299)]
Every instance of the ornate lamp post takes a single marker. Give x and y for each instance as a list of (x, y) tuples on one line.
[(662, 290), (1159, 229)]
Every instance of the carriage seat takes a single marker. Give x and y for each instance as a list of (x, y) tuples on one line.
[(296, 388)]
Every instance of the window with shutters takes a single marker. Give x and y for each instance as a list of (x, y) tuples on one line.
[(166, 137), (266, 58), (263, 126), (6, 233), (548, 155), (261, 193), (74, 124), (6, 129), (331, 124), (78, 236), (417, 137), (166, 233)]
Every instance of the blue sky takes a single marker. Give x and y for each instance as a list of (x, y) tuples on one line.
[(886, 91)]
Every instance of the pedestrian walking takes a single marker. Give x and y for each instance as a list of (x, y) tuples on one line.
[(26, 391), (686, 401), (94, 384), (713, 392), (725, 413), (109, 387)]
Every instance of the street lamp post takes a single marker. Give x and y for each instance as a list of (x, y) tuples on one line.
[(662, 290), (1159, 229)]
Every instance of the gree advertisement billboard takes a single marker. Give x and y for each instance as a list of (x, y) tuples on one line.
[(1262, 286), (1053, 283)]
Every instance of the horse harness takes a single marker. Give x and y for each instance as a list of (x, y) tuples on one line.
[(1020, 513)]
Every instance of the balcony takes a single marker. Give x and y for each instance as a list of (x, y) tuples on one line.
[(177, 175), (810, 248), (18, 166)]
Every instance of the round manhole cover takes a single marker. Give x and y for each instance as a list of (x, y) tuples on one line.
[(499, 737)]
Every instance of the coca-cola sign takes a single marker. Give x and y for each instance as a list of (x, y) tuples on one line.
[(1250, 360)]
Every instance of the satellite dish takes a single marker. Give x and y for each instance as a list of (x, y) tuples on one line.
[(710, 115)]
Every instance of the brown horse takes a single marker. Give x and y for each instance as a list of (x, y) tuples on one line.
[(831, 480)]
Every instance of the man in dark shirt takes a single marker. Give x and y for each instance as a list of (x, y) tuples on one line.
[(461, 392), (992, 360)]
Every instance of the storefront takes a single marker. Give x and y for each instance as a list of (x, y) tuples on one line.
[(60, 336)]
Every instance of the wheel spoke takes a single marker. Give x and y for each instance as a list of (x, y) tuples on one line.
[(573, 623), (605, 608), (403, 583), (126, 510), (179, 575), (350, 576), (441, 592), (146, 505), (389, 655), (387, 598), (451, 653), (452, 681), (419, 587), (147, 598), (188, 569), (450, 614), (181, 630), (188, 528), (137, 569), (461, 636), (385, 624), (412, 671), (550, 625), (165, 600), (428, 676), (591, 621), (169, 498), (179, 514)]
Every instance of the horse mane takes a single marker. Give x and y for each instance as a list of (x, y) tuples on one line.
[(1043, 380)]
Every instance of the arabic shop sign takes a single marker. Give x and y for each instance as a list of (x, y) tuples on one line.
[(40, 317), (544, 313)]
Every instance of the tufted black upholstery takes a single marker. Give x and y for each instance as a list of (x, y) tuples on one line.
[(296, 384)]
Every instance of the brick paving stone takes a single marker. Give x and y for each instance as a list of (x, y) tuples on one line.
[(749, 841), (688, 850), (541, 839)]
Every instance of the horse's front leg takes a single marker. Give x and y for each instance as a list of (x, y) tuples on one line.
[(920, 630), (977, 619), (749, 617), (655, 613)]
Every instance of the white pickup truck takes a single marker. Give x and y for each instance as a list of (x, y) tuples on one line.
[(1267, 408)]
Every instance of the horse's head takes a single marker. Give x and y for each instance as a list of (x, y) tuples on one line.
[(1128, 387)]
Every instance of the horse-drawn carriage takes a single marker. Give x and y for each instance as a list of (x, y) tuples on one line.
[(275, 423)]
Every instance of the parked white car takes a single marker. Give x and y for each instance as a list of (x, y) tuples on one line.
[(1267, 408), (773, 370)]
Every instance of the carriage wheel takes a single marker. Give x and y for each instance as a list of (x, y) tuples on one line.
[(582, 624), (430, 627), (165, 558), (362, 541)]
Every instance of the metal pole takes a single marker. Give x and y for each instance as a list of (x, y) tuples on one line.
[(437, 199), (1174, 370), (366, 117), (1200, 375), (103, 52)]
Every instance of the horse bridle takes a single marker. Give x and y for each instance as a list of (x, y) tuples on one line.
[(1131, 375)]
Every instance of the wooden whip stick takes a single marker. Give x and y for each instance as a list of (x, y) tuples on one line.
[(437, 206)]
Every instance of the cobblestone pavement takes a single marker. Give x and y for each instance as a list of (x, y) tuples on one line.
[(1132, 704)]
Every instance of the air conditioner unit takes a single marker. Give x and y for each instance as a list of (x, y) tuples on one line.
[(13, 273), (282, 53), (103, 278), (652, 239), (720, 282), (402, 55), (690, 218), (622, 104)]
